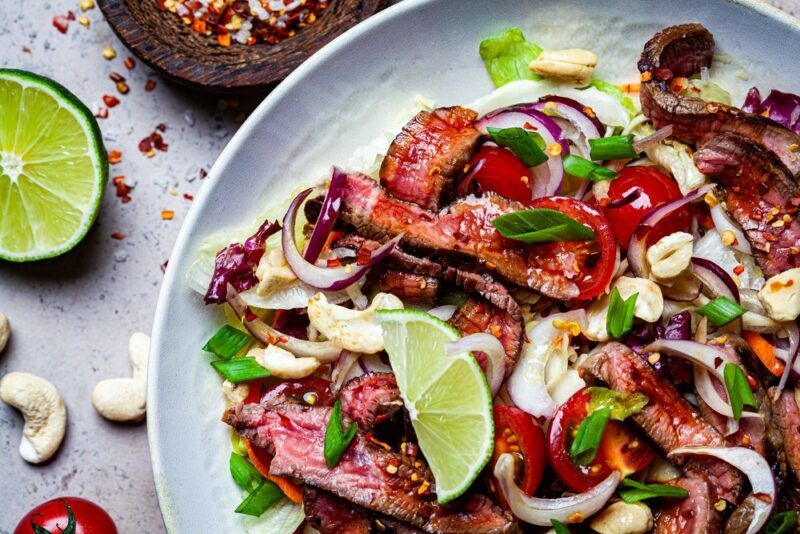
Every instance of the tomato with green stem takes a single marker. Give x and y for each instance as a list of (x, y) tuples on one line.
[(67, 515)]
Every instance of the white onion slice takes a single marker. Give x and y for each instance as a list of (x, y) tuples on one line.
[(791, 356), (722, 222), (703, 383), (341, 369), (652, 140), (755, 468), (444, 312), (535, 511), (495, 355)]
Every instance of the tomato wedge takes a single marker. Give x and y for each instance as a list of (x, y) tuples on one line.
[(620, 449), (497, 169), (517, 433), (590, 264)]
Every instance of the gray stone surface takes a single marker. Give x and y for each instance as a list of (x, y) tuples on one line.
[(71, 317)]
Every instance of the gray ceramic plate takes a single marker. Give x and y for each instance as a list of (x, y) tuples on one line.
[(340, 99)]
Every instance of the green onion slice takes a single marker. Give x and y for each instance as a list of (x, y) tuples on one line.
[(227, 342), (590, 433), (619, 320), (782, 523), (541, 226), (739, 392), (240, 369), (721, 311), (583, 168), (337, 439), (613, 147), (244, 473), (265, 495), (526, 145), (632, 491), (559, 527)]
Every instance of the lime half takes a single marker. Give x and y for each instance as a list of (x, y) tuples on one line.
[(53, 167), (447, 397)]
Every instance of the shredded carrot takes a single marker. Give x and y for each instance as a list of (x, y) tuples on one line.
[(764, 351), (261, 460)]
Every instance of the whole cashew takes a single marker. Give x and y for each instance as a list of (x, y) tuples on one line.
[(44, 413), (125, 399), (5, 331)]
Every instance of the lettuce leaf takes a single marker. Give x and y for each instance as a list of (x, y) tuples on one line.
[(507, 56), (614, 91)]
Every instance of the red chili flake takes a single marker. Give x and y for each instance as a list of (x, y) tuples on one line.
[(102, 113), (149, 85), (199, 26), (129, 63), (118, 235), (250, 316), (26, 49), (202, 173), (161, 127), (146, 145), (224, 39), (187, 196), (61, 23), (334, 262), (70, 15), (114, 157), (123, 88), (116, 77), (739, 269), (158, 142), (123, 189), (110, 100), (167, 215)]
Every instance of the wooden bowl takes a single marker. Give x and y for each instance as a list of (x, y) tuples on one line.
[(170, 47)]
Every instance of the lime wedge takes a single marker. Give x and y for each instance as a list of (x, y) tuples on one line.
[(53, 167), (447, 397)]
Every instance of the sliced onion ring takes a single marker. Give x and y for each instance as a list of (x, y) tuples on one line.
[(652, 140), (722, 223), (325, 278), (539, 512), (791, 359), (715, 279), (588, 126), (443, 312), (495, 355), (324, 351), (755, 468), (327, 215)]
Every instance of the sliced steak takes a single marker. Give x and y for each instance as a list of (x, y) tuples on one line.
[(681, 51), (330, 514), (464, 229), (371, 399), (479, 316), (668, 419), (761, 194), (383, 481), (693, 515), (786, 415), (410, 286), (426, 157)]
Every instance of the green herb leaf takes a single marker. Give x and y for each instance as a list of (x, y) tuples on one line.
[(739, 392), (614, 90), (782, 523), (721, 311), (619, 320), (227, 342), (240, 369), (621, 404), (541, 226), (587, 440), (261, 498), (507, 56), (526, 145), (583, 168), (337, 439), (244, 473), (636, 491), (613, 147), (559, 527)]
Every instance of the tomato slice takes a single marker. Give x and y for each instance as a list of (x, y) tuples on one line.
[(654, 189), (590, 264), (620, 448), (497, 169)]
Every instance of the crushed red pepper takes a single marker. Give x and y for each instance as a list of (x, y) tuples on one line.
[(114, 157), (231, 21), (123, 189), (118, 235), (110, 100), (153, 142), (149, 85)]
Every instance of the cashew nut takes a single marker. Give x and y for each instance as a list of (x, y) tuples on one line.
[(670, 256), (781, 295), (623, 518), (354, 330), (125, 399), (282, 363), (273, 272), (235, 393), (44, 413), (5, 331), (571, 64)]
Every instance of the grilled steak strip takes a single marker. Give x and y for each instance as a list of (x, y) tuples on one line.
[(295, 434), (477, 315), (693, 515), (428, 154), (371, 399), (464, 229), (330, 514), (681, 51), (759, 191), (668, 419), (410, 286), (786, 415)]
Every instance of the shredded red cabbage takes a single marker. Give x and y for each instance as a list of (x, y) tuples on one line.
[(291, 323), (236, 264), (678, 327), (783, 108)]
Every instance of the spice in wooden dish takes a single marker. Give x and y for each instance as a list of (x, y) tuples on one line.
[(246, 22)]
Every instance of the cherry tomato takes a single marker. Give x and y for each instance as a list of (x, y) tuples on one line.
[(497, 169), (655, 188), (518, 433), (53, 516), (590, 264), (620, 448)]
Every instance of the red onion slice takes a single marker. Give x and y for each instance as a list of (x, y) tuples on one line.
[(652, 140), (327, 216), (794, 346), (722, 223), (325, 278), (715, 279), (575, 113), (755, 468), (324, 351), (535, 511), (495, 356), (637, 247)]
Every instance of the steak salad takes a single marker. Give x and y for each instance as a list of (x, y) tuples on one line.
[(573, 310)]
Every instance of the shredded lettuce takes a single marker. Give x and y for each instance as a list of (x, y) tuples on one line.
[(282, 517), (614, 91), (621, 404), (507, 56), (708, 91)]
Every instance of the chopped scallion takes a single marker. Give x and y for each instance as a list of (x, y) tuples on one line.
[(632, 491), (782, 523), (583, 168), (613, 147), (526, 145), (240, 369), (721, 311), (337, 439), (227, 342), (738, 388), (559, 527), (261, 498), (590, 433), (541, 226), (619, 320), (244, 473)]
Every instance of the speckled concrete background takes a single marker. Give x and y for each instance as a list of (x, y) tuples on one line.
[(71, 317)]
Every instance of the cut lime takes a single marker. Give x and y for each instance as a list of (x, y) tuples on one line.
[(53, 167), (446, 396)]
